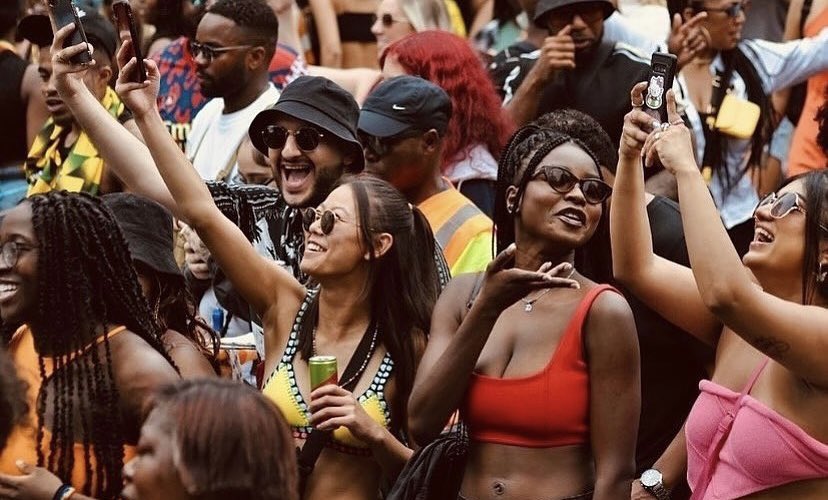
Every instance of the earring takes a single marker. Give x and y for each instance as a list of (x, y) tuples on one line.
[(822, 272)]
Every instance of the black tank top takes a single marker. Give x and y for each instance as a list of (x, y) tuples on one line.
[(13, 124)]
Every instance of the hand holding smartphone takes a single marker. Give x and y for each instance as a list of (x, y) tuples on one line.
[(125, 20), (64, 13), (662, 73)]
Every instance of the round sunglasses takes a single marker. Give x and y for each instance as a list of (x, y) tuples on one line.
[(327, 220), (387, 20), (781, 206), (307, 138), (563, 181)]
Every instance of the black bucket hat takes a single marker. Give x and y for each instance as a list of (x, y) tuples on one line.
[(320, 102), (544, 7), (148, 229)]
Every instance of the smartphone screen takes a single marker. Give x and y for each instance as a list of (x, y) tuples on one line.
[(65, 13), (662, 72), (125, 21)]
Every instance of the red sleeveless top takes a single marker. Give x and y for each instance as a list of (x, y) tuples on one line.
[(544, 410)]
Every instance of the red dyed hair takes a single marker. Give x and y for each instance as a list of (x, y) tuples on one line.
[(449, 61)]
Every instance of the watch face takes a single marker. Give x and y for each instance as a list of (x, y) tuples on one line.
[(650, 478)]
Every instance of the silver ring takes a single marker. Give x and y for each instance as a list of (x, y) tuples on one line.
[(637, 105), (665, 126), (657, 136), (655, 124)]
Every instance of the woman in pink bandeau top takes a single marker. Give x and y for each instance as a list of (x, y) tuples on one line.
[(758, 428)]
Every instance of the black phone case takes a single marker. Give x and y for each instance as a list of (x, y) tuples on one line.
[(126, 10), (662, 72), (65, 13)]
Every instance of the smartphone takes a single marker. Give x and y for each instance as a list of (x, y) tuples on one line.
[(65, 13), (662, 72), (125, 21)]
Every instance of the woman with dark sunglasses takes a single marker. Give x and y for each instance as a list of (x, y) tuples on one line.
[(758, 426), (541, 361), (370, 256), (732, 81)]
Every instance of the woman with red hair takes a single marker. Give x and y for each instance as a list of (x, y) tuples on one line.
[(478, 129)]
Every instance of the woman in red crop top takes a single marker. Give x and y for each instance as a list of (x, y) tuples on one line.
[(758, 428), (543, 365)]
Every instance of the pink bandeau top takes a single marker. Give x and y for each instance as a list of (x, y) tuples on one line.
[(736, 445)]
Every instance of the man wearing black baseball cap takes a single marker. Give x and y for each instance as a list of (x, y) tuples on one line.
[(577, 68), (402, 127), (62, 156)]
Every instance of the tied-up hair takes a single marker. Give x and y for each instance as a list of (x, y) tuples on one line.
[(402, 284), (518, 162), (86, 283), (219, 455)]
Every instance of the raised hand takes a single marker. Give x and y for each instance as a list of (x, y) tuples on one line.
[(557, 53), (139, 97), (637, 125), (672, 143), (68, 76), (503, 285), (688, 40), (332, 406)]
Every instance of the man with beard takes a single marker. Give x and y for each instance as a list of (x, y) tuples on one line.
[(232, 49), (62, 156), (577, 68)]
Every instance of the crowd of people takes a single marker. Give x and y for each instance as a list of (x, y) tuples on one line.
[(532, 285)]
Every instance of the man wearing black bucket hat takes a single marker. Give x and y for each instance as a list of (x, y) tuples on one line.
[(577, 68)]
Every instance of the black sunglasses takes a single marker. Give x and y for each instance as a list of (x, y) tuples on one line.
[(732, 11), (588, 12), (381, 146), (209, 52), (563, 181), (387, 20), (307, 138), (327, 219)]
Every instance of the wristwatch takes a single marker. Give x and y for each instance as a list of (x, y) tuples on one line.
[(651, 480)]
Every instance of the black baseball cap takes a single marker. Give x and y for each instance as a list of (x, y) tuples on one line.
[(37, 29), (320, 102), (544, 7), (402, 103)]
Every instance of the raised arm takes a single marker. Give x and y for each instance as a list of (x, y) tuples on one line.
[(614, 394), (666, 287), (260, 281), (123, 152), (789, 332), (330, 46), (457, 337)]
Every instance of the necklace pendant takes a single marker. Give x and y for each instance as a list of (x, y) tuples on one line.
[(528, 307)]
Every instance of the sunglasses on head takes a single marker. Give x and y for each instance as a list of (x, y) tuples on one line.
[(327, 219), (387, 20), (209, 52), (563, 181), (307, 138), (732, 11)]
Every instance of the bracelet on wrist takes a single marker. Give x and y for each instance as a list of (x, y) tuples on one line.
[(64, 492)]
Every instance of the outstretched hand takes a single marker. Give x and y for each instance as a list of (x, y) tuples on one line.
[(68, 76), (504, 285), (672, 143), (34, 483), (637, 125), (139, 97)]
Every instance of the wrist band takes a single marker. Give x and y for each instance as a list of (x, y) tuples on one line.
[(64, 492)]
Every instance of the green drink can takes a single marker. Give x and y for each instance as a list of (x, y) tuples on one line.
[(322, 371)]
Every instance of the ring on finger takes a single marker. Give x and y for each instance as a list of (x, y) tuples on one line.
[(665, 126), (657, 136), (635, 105)]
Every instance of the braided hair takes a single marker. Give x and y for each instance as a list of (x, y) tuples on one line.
[(518, 162), (86, 282)]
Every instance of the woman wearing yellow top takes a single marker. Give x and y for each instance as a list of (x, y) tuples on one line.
[(88, 346), (370, 254)]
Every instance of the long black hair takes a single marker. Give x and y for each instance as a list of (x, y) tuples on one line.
[(86, 283), (403, 284), (522, 155)]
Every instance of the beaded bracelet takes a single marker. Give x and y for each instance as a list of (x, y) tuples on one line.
[(64, 492)]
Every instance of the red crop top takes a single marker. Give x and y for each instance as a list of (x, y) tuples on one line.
[(544, 410)]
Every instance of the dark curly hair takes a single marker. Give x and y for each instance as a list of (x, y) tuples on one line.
[(521, 156), (255, 17), (13, 405), (584, 128), (86, 283)]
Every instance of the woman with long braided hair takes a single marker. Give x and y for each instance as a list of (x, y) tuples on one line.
[(541, 363), (89, 347)]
